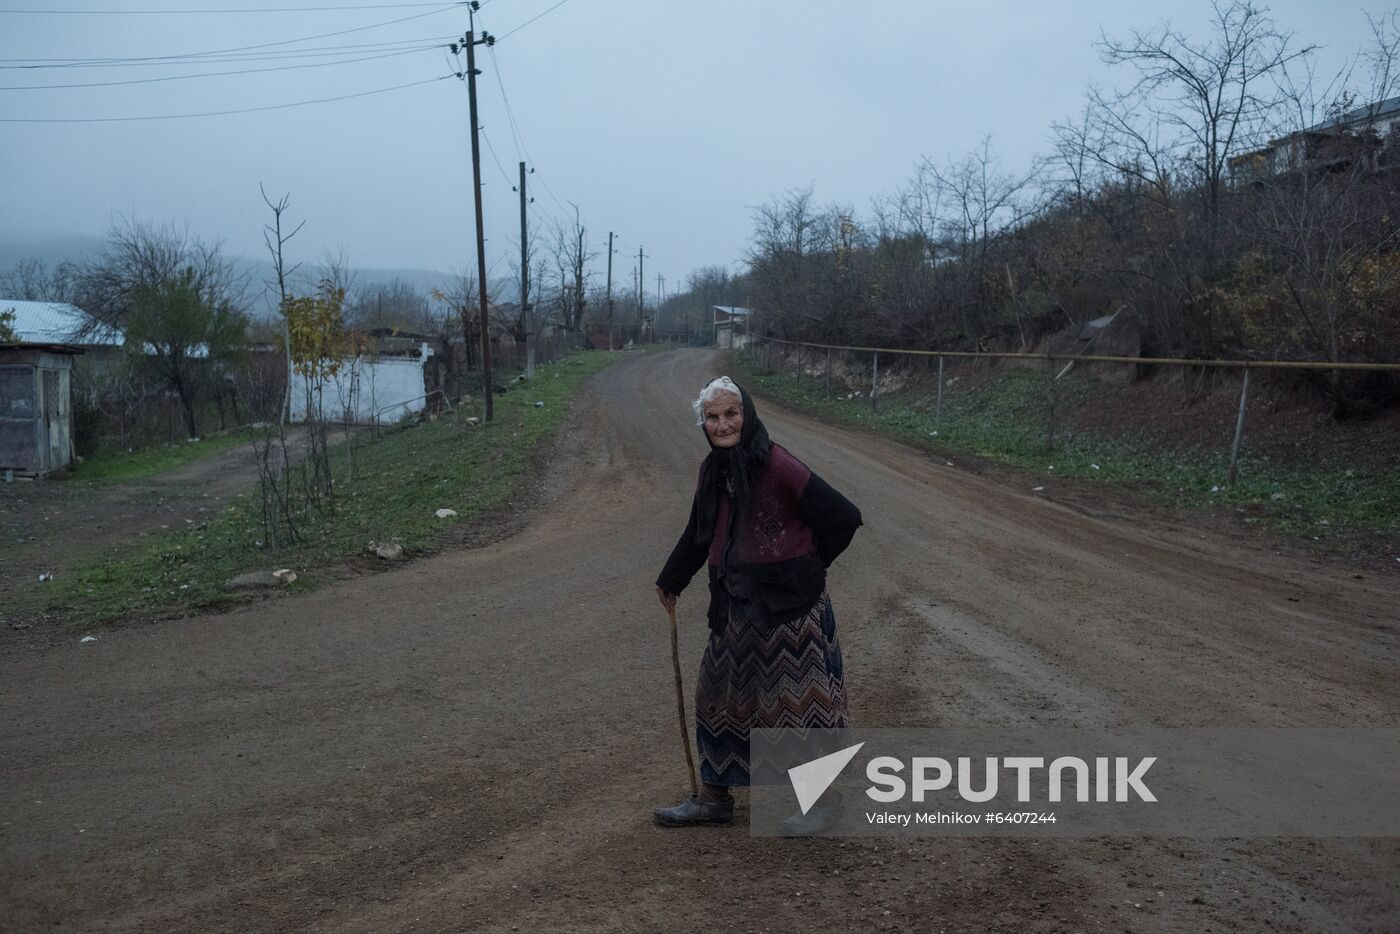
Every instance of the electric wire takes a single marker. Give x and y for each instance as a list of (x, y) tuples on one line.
[(324, 51), (532, 19), (495, 158), (222, 113), (519, 137), (290, 9), (71, 62), (521, 150), (216, 74)]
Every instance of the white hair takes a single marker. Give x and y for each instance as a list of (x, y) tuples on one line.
[(719, 386)]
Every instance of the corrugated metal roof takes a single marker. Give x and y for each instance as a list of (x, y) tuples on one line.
[(1364, 114), (59, 323)]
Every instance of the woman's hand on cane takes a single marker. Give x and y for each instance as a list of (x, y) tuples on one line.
[(668, 600)]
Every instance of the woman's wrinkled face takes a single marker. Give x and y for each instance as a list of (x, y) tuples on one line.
[(724, 420)]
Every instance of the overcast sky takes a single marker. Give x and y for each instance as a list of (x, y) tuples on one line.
[(666, 122)]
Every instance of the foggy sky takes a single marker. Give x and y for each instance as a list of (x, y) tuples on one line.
[(666, 122)]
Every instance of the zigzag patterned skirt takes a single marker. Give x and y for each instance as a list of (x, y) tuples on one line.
[(755, 677)]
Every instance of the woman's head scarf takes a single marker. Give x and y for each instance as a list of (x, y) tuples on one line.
[(736, 468)]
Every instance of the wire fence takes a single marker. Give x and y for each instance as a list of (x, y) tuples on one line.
[(1056, 383)]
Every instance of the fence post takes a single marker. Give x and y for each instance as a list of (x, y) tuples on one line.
[(828, 374), (874, 381), (938, 409), (1239, 431), (797, 366), (1050, 396)]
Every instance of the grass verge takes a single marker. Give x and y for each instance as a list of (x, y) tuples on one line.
[(1355, 509), (387, 490), (134, 465)]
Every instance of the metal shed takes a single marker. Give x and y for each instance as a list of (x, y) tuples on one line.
[(36, 414)]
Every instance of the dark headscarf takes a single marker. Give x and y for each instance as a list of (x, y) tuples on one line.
[(738, 466)]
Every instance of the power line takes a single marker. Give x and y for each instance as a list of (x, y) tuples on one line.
[(495, 158), (482, 130), (290, 9), (70, 62), (510, 114), (215, 74), (223, 113), (322, 51), (532, 19), (519, 136)]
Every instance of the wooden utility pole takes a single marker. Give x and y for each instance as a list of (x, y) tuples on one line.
[(610, 302), (471, 42), (579, 298), (526, 311), (641, 277)]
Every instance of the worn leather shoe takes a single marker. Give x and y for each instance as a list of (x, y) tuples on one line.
[(693, 811)]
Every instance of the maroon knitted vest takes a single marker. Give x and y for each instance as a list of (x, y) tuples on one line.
[(773, 530)]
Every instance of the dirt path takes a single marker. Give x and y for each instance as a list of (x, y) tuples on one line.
[(475, 741), (46, 526)]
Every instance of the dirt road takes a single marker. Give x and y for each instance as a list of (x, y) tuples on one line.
[(476, 741)]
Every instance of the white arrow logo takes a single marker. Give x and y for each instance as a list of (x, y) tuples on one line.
[(811, 779)]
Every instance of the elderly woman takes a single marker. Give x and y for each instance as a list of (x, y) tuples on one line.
[(768, 528)]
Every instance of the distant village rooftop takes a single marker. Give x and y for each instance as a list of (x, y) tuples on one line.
[(59, 323)]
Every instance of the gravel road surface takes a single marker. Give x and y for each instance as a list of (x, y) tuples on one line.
[(475, 741)]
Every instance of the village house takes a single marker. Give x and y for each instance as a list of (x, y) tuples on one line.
[(731, 324), (1370, 133)]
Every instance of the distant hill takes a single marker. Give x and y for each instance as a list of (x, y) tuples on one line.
[(50, 250), (55, 250)]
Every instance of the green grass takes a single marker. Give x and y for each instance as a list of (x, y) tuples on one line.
[(134, 465), (1006, 422), (400, 480)]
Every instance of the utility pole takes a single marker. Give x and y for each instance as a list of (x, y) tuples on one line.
[(610, 305), (525, 310), (640, 279), (471, 42), (579, 297)]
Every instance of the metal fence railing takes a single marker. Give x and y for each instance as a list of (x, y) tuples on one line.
[(820, 357)]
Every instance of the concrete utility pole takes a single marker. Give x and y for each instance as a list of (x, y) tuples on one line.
[(526, 311), (610, 305), (470, 41)]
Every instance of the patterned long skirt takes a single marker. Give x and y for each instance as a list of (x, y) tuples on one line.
[(755, 677)]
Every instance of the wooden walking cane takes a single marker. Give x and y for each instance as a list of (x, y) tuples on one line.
[(680, 701)]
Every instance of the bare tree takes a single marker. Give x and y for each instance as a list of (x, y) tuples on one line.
[(984, 204), (31, 280), (1211, 98), (139, 256), (275, 485), (571, 258), (1319, 273)]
